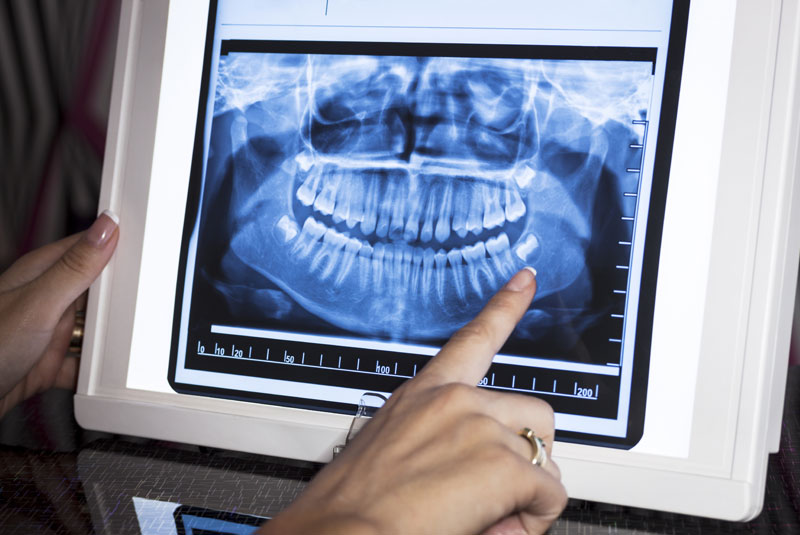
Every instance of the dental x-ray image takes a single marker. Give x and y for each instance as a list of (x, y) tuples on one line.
[(389, 196)]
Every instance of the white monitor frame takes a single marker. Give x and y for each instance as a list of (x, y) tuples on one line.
[(739, 290)]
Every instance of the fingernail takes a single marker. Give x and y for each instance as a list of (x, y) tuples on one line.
[(102, 229), (522, 280)]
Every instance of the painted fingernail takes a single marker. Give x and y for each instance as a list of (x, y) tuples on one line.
[(522, 280), (102, 229)]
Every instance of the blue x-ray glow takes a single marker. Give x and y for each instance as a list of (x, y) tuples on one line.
[(391, 196)]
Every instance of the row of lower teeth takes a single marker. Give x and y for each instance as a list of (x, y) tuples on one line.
[(335, 255), (418, 209)]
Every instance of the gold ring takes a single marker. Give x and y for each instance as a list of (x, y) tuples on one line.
[(539, 455), (76, 341)]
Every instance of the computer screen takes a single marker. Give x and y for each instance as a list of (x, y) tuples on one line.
[(358, 193)]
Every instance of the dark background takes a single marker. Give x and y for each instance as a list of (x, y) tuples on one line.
[(56, 61)]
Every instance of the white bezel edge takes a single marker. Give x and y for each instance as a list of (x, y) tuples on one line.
[(767, 239)]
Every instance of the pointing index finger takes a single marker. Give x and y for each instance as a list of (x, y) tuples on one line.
[(468, 354)]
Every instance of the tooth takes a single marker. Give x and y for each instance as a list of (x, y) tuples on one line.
[(457, 268), (326, 200), (399, 201), (356, 213), (391, 267), (475, 255), (382, 230), (333, 243), (377, 265), (461, 209), (309, 236), (427, 270), (416, 270), (523, 176), (499, 250), (415, 204), (430, 210), (364, 265), (351, 249), (440, 260), (286, 229), (304, 161), (344, 198), (526, 246), (475, 217), (493, 217), (515, 208), (342, 208), (307, 192), (370, 207), (445, 211), (412, 225), (404, 256)]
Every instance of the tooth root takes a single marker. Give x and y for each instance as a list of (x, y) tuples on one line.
[(351, 249), (286, 229), (440, 261), (499, 250), (523, 176), (427, 271), (445, 212), (333, 243), (385, 214), (370, 207), (399, 201), (391, 268), (309, 236), (430, 211), (475, 255), (475, 217), (515, 208), (356, 214), (455, 259), (364, 265), (416, 271), (461, 209), (326, 200), (378, 253), (403, 261), (493, 216), (525, 247), (307, 192)]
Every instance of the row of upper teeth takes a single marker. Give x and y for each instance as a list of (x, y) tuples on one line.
[(335, 255), (396, 207)]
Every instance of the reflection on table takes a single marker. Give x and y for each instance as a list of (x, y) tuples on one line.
[(124, 487)]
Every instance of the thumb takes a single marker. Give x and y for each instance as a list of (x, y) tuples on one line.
[(72, 274)]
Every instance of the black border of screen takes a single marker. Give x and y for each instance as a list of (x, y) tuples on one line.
[(240, 519), (655, 223)]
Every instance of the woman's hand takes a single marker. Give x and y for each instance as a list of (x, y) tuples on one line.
[(443, 456), (39, 295)]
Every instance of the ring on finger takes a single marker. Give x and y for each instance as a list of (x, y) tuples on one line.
[(539, 454), (76, 340)]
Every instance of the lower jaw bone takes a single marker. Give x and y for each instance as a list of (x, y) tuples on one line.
[(402, 293)]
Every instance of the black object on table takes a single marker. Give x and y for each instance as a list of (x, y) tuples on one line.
[(120, 487)]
